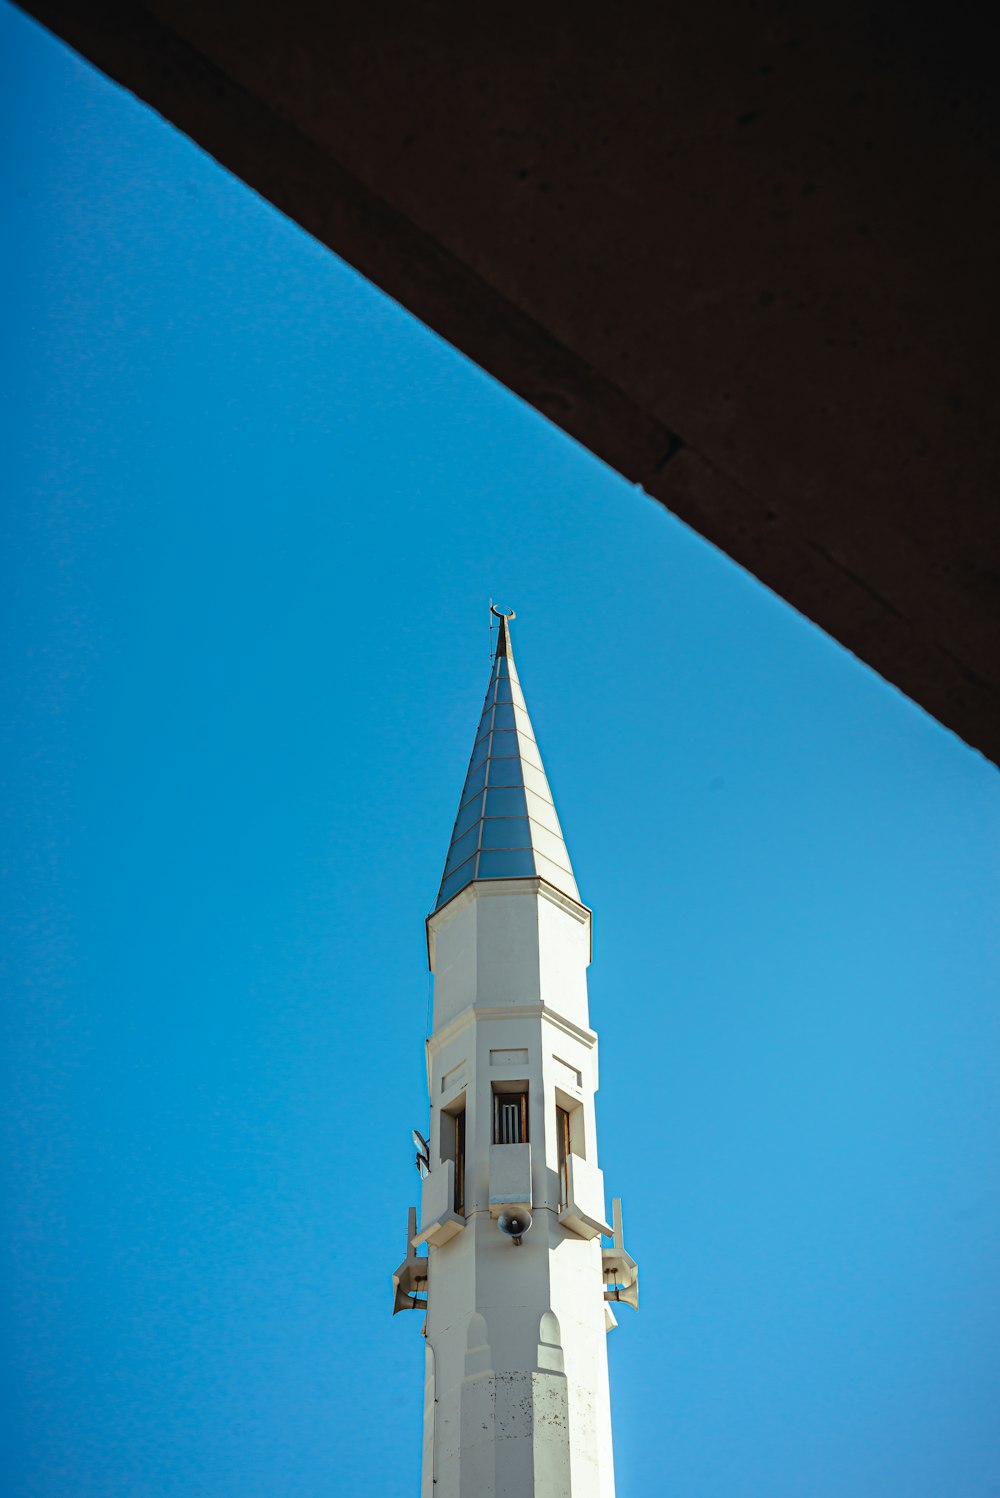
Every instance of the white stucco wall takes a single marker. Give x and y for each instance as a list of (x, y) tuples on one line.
[(516, 1335)]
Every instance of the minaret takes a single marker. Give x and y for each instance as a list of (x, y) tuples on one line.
[(515, 1283)]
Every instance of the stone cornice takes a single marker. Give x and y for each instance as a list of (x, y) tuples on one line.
[(470, 1016)]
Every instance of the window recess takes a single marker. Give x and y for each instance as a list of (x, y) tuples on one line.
[(453, 1147), (460, 1163), (562, 1149), (569, 1139), (510, 1117)]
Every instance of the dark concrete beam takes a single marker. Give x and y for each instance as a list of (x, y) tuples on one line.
[(746, 254)]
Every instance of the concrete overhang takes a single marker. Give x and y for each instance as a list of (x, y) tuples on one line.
[(746, 254)]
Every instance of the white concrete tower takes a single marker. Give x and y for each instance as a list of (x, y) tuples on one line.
[(518, 1287)]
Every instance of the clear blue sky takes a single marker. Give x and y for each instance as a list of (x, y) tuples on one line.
[(252, 516)]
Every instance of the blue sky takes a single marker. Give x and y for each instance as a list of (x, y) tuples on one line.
[(253, 514)]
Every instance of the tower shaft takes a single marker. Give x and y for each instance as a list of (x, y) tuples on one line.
[(512, 1208)]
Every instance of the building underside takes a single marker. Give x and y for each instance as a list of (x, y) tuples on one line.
[(746, 254)]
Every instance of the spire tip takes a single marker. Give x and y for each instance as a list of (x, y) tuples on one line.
[(503, 635)]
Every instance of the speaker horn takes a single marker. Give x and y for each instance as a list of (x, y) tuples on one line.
[(402, 1301), (514, 1223), (628, 1293)]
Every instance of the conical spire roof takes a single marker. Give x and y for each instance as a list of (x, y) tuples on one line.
[(506, 826)]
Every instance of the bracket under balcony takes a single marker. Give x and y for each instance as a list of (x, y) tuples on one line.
[(583, 1211), (439, 1222), (510, 1178)]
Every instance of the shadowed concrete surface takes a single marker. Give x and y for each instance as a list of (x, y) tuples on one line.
[(746, 253)]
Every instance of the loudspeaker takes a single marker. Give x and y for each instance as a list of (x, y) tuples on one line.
[(628, 1293), (514, 1223), (404, 1302)]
